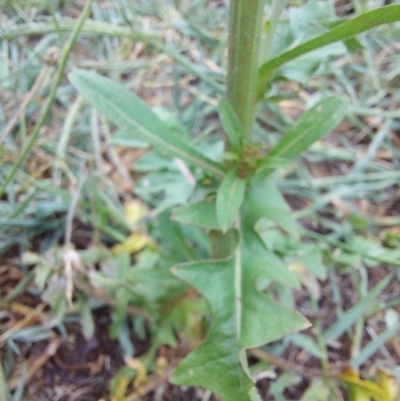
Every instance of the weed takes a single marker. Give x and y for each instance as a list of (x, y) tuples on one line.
[(232, 235)]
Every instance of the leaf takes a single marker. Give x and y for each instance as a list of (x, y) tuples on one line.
[(285, 380), (352, 44), (254, 208), (153, 161), (127, 140), (127, 111), (135, 211), (120, 383), (373, 252), (87, 321), (307, 343), (201, 214), (229, 199), (134, 243), (383, 389), (313, 261), (310, 127), (174, 188), (275, 207), (350, 316), (346, 30), (243, 317), (316, 391), (141, 371), (373, 346), (231, 124)]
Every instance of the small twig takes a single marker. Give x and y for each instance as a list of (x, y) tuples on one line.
[(93, 366), (68, 257), (309, 373), (184, 169)]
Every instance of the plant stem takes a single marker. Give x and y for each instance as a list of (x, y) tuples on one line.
[(60, 73), (244, 43)]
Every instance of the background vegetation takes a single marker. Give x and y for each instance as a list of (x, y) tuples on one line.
[(89, 308)]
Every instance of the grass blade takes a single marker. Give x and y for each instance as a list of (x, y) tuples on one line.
[(374, 345), (350, 316), (46, 110)]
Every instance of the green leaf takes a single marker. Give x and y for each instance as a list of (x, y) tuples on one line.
[(352, 44), (316, 391), (128, 112), (231, 124), (313, 261), (244, 317), (310, 127), (275, 207), (350, 316), (87, 321), (128, 140), (346, 30), (201, 214), (307, 343), (373, 346), (229, 199), (255, 208)]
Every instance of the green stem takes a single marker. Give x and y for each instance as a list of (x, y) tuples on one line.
[(244, 43), (60, 73)]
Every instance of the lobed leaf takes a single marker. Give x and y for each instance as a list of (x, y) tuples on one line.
[(244, 317), (127, 111), (310, 127)]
